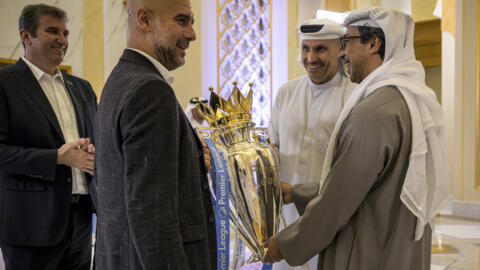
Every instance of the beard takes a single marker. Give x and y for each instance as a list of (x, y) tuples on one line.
[(169, 48), (168, 55)]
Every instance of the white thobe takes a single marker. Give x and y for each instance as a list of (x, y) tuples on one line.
[(303, 118)]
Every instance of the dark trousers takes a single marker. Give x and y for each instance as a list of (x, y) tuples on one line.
[(74, 251)]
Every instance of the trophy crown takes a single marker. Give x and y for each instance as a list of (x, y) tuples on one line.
[(237, 108)]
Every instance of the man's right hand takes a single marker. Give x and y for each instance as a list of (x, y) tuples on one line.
[(73, 154), (286, 192)]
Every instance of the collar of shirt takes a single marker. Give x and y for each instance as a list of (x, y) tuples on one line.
[(163, 71), (38, 73), (325, 86)]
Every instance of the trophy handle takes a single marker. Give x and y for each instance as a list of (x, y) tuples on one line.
[(208, 133), (260, 134), (204, 132)]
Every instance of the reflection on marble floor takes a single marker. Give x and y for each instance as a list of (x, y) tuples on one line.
[(456, 244)]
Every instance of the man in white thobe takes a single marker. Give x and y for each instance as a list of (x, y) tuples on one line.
[(307, 108)]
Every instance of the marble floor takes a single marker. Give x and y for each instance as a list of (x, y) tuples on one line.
[(455, 245)]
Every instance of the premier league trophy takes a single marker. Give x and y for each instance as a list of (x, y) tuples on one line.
[(244, 175)]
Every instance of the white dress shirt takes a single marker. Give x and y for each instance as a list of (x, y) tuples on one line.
[(57, 94)]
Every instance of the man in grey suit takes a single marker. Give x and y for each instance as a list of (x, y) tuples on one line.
[(154, 205)]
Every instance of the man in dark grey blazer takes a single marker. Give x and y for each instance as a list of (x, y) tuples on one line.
[(45, 178), (154, 207)]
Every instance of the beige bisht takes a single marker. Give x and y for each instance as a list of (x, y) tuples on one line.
[(385, 174)]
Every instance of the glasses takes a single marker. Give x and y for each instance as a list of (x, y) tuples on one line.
[(345, 39)]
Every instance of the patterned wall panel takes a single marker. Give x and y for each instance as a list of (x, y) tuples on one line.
[(245, 51)]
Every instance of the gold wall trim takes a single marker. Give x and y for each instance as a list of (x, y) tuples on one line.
[(422, 10), (93, 44), (428, 43), (477, 128), (271, 57), (448, 16), (339, 5), (6, 62), (294, 69)]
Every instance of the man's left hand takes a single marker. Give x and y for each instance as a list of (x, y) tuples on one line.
[(88, 147), (273, 252)]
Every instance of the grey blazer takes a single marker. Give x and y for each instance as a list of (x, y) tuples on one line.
[(154, 205)]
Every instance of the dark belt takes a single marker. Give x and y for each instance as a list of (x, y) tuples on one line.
[(78, 198)]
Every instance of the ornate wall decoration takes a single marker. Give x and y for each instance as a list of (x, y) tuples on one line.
[(244, 52)]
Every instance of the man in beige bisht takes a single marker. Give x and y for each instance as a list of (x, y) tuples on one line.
[(385, 173)]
